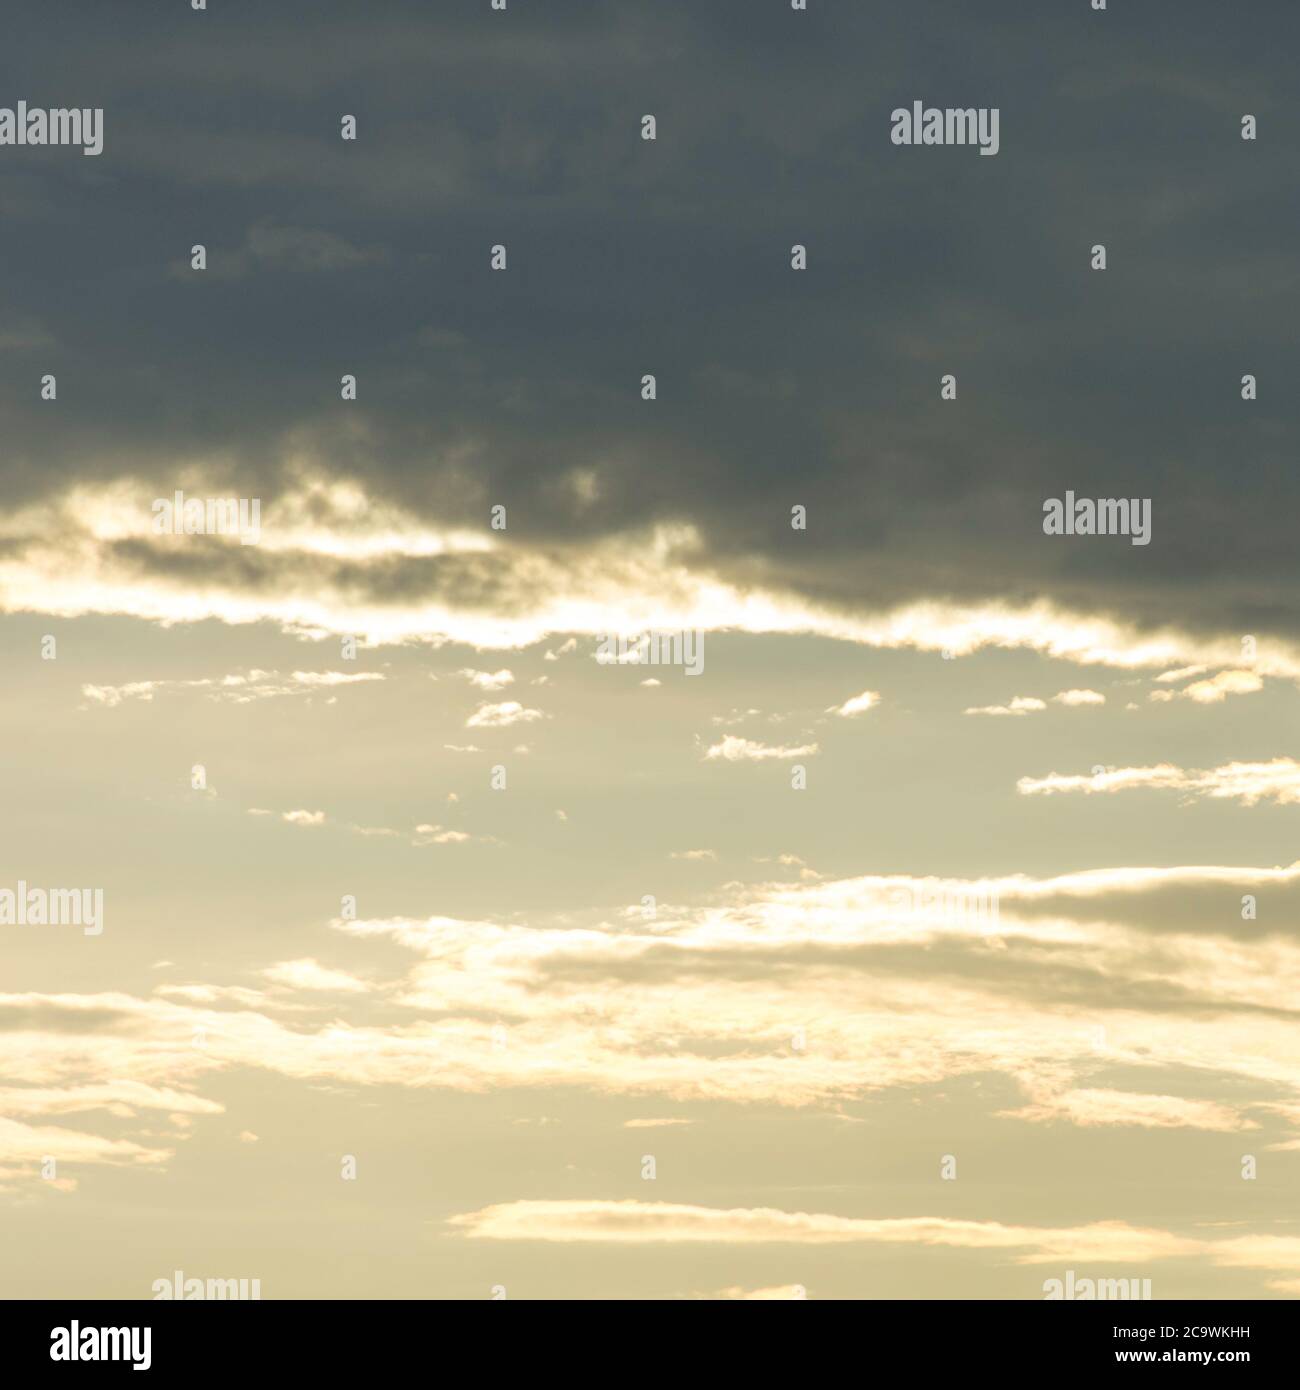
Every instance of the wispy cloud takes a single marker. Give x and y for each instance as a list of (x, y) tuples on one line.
[(672, 1223), (236, 689), (858, 704), (309, 974), (327, 547), (733, 749), (1249, 783), (1213, 691)]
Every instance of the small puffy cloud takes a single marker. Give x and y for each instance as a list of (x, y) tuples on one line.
[(114, 695), (1079, 697), (1215, 690), (1020, 705), (654, 1123), (694, 854), (859, 704), (436, 835), (304, 817), (488, 680), (746, 750), (651, 683), (502, 715)]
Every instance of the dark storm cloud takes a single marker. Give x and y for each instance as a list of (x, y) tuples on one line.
[(470, 582), (672, 257)]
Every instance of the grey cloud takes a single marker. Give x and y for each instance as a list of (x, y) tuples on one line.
[(672, 257)]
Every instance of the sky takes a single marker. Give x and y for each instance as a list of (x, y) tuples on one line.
[(916, 918)]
